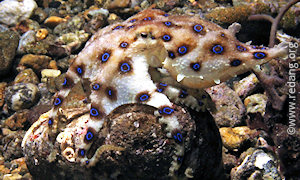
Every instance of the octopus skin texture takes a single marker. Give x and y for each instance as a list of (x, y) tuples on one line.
[(155, 59)]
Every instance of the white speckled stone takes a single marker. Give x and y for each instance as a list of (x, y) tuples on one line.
[(14, 11)]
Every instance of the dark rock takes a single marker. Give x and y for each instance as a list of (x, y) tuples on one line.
[(21, 96), (148, 152), (8, 44)]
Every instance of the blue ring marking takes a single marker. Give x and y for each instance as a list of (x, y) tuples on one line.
[(118, 27), (203, 96), (200, 103), (109, 92), (166, 37), (160, 90), (235, 62), (124, 44), (132, 20), (96, 86), (163, 84), (57, 101), (218, 51), (168, 23), (94, 112), (79, 70), (82, 152), (129, 27), (198, 28), (89, 136), (196, 66), (87, 162), (144, 97), (50, 122), (240, 48), (179, 159), (171, 54), (259, 55), (147, 18), (123, 67), (183, 94), (182, 50), (166, 15), (65, 82), (168, 110), (105, 57), (178, 137)]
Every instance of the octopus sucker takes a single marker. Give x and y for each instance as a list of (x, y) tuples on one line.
[(120, 61)]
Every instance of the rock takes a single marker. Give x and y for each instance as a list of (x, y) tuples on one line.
[(73, 41), (20, 165), (48, 77), (25, 40), (17, 120), (14, 11), (21, 96), (39, 15), (36, 62), (74, 24), (147, 152), (26, 76), (12, 144), (53, 21), (256, 103), (257, 164), (12, 177), (27, 25), (245, 86), (230, 109), (3, 85), (8, 44), (41, 34), (234, 138), (28, 44)]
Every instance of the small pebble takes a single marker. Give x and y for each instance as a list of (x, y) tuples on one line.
[(245, 86), (41, 34), (256, 103), (36, 62), (26, 76), (53, 21), (21, 96), (14, 11), (233, 138)]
